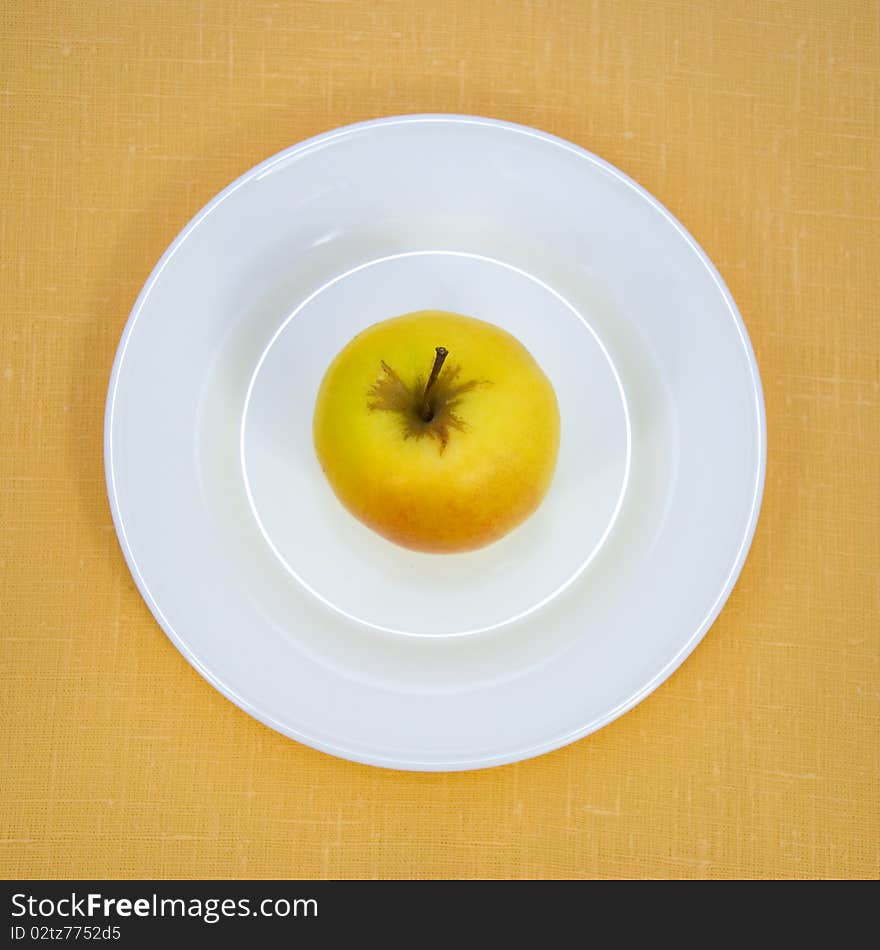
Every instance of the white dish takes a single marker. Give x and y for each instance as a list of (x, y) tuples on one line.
[(323, 630)]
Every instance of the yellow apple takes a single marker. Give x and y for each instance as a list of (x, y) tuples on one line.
[(438, 431)]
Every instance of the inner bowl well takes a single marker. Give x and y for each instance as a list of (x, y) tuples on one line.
[(355, 571)]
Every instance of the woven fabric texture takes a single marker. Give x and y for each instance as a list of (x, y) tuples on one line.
[(756, 122)]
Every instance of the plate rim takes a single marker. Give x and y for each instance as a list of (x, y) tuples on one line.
[(390, 761)]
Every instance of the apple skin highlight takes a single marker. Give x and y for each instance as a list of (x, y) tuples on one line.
[(464, 478)]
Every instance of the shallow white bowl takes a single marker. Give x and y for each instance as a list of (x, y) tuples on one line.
[(314, 624)]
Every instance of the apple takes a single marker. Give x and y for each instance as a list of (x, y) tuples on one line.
[(437, 430)]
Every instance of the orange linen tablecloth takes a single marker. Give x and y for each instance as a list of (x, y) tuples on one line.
[(755, 122)]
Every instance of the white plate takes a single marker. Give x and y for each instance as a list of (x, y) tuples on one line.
[(323, 630)]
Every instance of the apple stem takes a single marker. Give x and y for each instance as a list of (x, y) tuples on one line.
[(427, 412)]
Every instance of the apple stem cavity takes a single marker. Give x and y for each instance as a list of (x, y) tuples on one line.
[(427, 410)]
